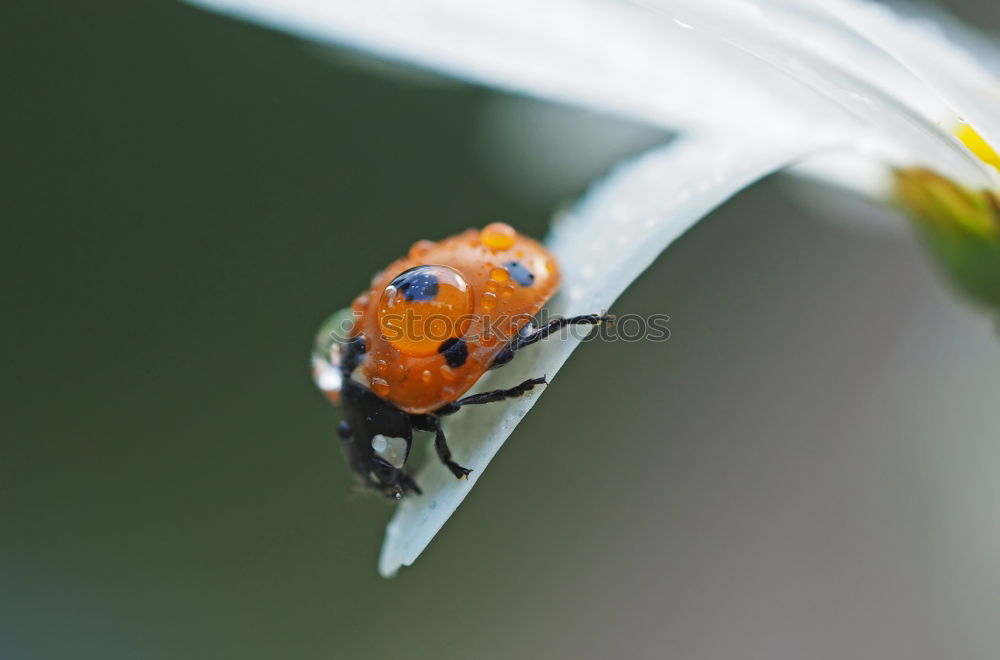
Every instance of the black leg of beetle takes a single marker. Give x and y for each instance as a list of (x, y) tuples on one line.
[(431, 422), (441, 445), (490, 397), (519, 342)]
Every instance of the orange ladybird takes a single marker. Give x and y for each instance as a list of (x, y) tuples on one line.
[(430, 325)]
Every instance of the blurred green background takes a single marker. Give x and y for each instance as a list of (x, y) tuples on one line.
[(808, 469)]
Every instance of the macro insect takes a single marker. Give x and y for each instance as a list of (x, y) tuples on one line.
[(430, 325)]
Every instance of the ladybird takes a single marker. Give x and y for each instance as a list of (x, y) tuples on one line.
[(429, 326)]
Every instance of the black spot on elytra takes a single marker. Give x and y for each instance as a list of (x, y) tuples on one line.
[(519, 273), (455, 352), (416, 284)]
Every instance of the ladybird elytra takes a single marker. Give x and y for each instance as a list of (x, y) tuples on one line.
[(429, 326), (451, 290)]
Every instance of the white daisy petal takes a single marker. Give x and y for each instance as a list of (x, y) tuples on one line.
[(612, 235), (957, 77), (602, 54), (682, 64), (897, 111)]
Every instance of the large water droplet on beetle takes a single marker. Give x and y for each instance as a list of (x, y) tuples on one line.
[(423, 307)]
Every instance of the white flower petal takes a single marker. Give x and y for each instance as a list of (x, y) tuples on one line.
[(602, 54), (896, 109), (952, 73), (683, 64), (615, 232)]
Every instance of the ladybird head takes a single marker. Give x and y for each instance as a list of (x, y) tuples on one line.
[(385, 467), (380, 466), (391, 481), (375, 436)]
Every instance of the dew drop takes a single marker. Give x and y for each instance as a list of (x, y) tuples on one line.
[(420, 306), (380, 386), (497, 236)]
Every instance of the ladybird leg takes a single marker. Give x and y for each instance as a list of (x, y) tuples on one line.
[(492, 396), (444, 453), (520, 341)]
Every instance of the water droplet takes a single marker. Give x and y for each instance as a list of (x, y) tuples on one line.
[(423, 306), (497, 236), (380, 386)]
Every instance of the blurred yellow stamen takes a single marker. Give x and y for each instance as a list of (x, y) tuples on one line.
[(977, 145), (939, 201), (961, 228)]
